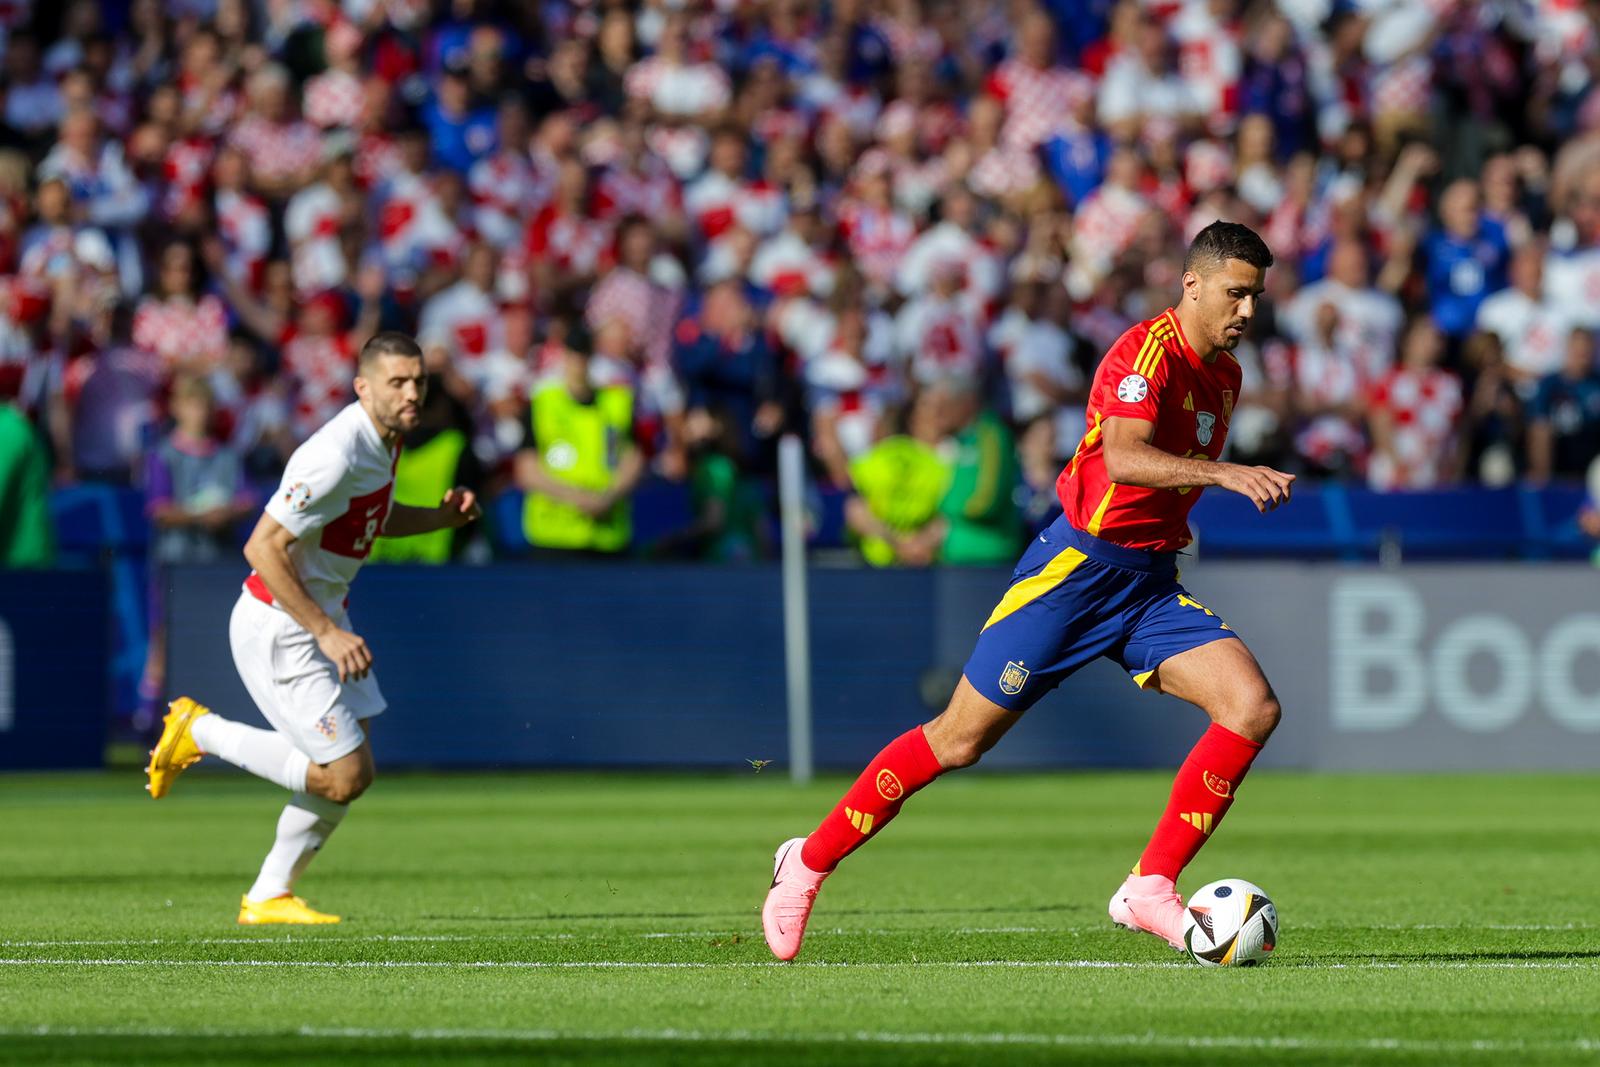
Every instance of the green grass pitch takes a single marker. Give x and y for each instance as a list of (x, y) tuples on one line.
[(558, 919)]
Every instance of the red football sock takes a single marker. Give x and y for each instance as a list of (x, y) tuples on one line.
[(1201, 795), (904, 766)]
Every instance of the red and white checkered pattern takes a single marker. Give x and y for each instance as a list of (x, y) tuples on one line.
[(334, 98), (413, 226), (277, 150), (1037, 101), (321, 370), (180, 331), (687, 89), (1328, 377), (878, 238), (1425, 407), (1105, 225), (1002, 172), (648, 190), (647, 308), (377, 160)]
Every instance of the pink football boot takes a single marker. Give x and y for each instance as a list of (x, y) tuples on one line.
[(1150, 904), (788, 906)]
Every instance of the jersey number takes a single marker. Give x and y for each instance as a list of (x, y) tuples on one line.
[(351, 534)]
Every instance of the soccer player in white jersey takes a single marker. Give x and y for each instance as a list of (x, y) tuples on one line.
[(306, 669)]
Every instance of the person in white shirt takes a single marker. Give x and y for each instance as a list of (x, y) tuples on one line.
[(1369, 318), (1532, 328), (307, 670)]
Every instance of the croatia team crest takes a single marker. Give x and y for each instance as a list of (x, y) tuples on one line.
[(1013, 678), (328, 727), (1205, 425)]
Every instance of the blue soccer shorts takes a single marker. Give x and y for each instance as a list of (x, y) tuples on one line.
[(1074, 597)]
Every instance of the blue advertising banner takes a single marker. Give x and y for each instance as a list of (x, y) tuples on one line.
[(55, 655)]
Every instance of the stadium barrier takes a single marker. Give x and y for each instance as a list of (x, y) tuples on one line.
[(1432, 667), (55, 663)]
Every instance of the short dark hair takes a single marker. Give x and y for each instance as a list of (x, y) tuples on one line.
[(1222, 241), (387, 343)]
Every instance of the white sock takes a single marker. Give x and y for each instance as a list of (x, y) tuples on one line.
[(307, 821), (264, 753)]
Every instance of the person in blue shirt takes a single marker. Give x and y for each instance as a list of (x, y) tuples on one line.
[(1467, 258), (460, 130), (1564, 416)]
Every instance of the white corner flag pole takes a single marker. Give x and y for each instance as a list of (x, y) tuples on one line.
[(796, 610)]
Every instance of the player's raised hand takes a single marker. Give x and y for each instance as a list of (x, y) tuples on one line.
[(460, 506), (348, 651), (1266, 488)]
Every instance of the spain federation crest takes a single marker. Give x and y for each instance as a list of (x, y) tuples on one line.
[(1013, 678), (1205, 424)]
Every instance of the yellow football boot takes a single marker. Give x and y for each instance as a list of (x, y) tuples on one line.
[(176, 750), (281, 910)]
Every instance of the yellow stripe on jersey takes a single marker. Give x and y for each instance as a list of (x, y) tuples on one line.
[(1030, 589), (1150, 353), (1144, 352), (1086, 443), (1099, 515)]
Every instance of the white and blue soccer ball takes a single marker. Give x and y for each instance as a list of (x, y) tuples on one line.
[(1230, 923)]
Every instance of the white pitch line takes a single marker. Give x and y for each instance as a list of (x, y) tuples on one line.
[(598, 935), (651, 965), (880, 1037)]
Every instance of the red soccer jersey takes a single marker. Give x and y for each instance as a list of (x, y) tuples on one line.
[(1152, 374)]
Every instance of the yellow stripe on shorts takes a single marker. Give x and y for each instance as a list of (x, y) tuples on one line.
[(1032, 588)]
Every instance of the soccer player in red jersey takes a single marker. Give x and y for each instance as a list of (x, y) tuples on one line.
[(1102, 581)]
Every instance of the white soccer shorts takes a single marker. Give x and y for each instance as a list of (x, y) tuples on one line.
[(296, 687)]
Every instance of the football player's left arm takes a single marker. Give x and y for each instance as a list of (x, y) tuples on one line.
[(1133, 459), (459, 507)]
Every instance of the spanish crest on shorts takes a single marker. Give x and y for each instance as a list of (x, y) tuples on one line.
[(1013, 678)]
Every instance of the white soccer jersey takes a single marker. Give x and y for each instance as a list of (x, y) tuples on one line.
[(335, 499)]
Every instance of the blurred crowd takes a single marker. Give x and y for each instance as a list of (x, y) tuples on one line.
[(640, 241)]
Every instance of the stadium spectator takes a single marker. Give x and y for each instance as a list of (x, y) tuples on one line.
[(578, 463), (1532, 328), (27, 538), (898, 486), (180, 323), (1414, 416), (979, 524), (1466, 258), (195, 489), (1564, 414)]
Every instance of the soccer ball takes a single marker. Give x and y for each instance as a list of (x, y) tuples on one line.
[(1230, 923)]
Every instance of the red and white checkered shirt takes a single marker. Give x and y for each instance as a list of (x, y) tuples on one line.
[(787, 266), (686, 89), (941, 337), (1105, 225), (649, 190), (878, 238), (277, 150), (321, 369), (377, 160), (181, 331), (1002, 172), (334, 98), (648, 309), (1037, 101), (1424, 407)]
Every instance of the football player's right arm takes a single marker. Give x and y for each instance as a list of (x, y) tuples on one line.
[(1131, 459), (268, 552)]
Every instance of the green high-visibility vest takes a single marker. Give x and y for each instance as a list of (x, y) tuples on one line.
[(582, 445), (902, 481), (425, 473)]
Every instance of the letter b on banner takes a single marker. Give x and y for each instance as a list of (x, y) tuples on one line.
[(1377, 669)]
